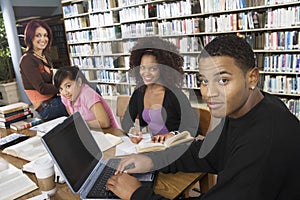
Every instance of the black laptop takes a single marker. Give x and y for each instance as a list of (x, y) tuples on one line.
[(79, 159)]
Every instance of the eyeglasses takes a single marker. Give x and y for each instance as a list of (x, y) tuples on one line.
[(150, 69)]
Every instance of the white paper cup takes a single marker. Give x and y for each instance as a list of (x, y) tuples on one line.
[(44, 172)]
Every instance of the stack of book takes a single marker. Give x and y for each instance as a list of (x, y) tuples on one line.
[(17, 116)]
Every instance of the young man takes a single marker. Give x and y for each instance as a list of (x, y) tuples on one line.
[(255, 149)]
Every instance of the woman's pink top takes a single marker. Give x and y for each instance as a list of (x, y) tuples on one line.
[(85, 100)]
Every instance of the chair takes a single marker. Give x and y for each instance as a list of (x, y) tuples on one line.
[(122, 103), (205, 119)]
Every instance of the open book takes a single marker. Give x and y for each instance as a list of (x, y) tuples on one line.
[(29, 149), (106, 141), (45, 127), (182, 137), (14, 183)]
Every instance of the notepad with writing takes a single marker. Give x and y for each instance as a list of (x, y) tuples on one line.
[(180, 138), (14, 183)]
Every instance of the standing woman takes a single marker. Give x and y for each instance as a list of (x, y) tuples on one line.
[(36, 71), (158, 101)]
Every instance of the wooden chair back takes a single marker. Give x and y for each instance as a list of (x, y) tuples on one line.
[(122, 103), (204, 119)]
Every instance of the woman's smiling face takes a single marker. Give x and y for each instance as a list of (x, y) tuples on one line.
[(40, 39), (149, 69), (70, 89)]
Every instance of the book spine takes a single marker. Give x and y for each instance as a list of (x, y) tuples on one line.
[(7, 124), (7, 119), (14, 109), (13, 113), (25, 125)]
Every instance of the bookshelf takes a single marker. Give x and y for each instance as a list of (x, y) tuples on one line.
[(100, 34)]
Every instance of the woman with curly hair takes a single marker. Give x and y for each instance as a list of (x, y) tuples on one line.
[(158, 101)]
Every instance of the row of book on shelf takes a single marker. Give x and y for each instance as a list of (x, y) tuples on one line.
[(104, 76), (282, 84), (169, 9), (115, 90), (17, 116), (270, 63), (293, 105), (184, 44), (105, 62), (279, 40), (282, 63), (102, 62), (280, 17), (137, 13)]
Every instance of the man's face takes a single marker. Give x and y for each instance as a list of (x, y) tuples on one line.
[(224, 86)]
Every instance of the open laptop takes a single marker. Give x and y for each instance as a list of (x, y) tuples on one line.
[(79, 159)]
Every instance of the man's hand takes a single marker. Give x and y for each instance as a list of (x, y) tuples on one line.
[(140, 164), (123, 185)]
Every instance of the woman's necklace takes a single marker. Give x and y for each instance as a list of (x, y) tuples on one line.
[(42, 57)]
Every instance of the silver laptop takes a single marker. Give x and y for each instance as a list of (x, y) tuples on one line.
[(79, 159)]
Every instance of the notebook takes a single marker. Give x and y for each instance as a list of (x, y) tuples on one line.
[(79, 159)]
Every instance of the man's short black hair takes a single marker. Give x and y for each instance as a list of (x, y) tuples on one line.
[(232, 46)]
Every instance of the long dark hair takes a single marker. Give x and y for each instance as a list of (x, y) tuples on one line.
[(71, 72)]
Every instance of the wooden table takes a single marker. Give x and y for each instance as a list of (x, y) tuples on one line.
[(168, 185)]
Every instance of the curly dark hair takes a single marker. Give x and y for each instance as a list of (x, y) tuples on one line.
[(232, 46), (166, 54)]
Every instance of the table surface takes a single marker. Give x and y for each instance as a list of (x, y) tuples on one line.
[(168, 185)]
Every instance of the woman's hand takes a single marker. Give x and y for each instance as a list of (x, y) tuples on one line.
[(135, 135), (161, 138), (135, 164), (123, 185)]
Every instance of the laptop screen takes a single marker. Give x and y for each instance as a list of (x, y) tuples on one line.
[(74, 150)]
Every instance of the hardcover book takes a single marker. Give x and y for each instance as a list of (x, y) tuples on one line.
[(26, 123), (13, 107), (8, 123), (14, 113), (15, 116)]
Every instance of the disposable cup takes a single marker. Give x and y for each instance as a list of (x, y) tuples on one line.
[(44, 172)]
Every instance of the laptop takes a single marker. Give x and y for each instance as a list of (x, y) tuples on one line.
[(79, 159)]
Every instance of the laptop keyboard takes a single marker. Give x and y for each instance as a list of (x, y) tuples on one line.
[(99, 188)]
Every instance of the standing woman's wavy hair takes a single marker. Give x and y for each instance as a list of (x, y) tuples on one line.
[(29, 34), (169, 60)]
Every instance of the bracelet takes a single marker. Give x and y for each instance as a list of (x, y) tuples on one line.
[(175, 132)]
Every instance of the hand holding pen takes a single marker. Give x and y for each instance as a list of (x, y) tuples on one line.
[(135, 135)]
